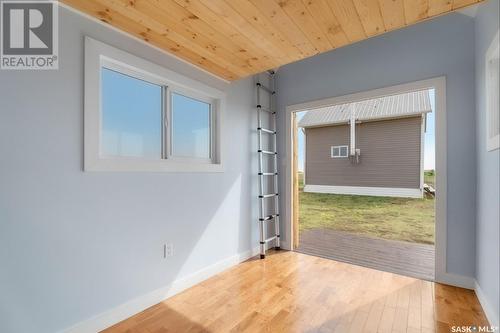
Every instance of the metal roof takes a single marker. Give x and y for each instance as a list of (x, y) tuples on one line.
[(394, 106)]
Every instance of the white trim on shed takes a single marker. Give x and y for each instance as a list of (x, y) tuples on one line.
[(392, 106), (360, 190)]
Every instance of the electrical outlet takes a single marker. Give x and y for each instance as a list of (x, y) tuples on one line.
[(168, 250)]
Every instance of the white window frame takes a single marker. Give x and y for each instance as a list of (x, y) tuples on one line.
[(99, 55), (492, 141), (340, 149)]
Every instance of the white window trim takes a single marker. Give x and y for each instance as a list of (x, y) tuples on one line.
[(339, 147), (98, 54), (492, 142)]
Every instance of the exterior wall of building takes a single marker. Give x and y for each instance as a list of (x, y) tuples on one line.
[(390, 155)]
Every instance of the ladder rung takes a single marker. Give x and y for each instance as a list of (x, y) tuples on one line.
[(267, 152), (268, 173), (266, 89), (265, 109), (266, 130), (269, 217), (271, 239), (268, 195)]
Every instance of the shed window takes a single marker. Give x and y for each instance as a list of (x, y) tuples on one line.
[(340, 151)]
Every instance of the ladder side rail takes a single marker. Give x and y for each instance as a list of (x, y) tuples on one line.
[(261, 181), (276, 183)]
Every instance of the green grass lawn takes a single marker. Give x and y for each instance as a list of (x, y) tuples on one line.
[(430, 178), (402, 219)]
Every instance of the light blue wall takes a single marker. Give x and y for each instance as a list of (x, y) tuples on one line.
[(75, 244), (488, 181), (444, 46)]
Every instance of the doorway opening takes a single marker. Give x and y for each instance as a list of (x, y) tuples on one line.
[(365, 180)]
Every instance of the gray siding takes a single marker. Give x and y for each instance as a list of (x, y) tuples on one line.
[(390, 154)]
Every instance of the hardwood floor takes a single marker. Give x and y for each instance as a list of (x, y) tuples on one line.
[(294, 292)]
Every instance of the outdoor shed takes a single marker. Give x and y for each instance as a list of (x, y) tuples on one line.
[(372, 147)]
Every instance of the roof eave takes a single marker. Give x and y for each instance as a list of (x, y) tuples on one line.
[(344, 122)]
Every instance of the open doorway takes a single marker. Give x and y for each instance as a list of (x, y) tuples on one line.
[(364, 181)]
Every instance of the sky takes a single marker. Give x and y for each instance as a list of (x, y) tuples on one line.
[(191, 133), (132, 120), (429, 147), (131, 116)]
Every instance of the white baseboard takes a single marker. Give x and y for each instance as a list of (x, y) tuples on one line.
[(490, 313), (372, 191), (134, 306), (455, 280)]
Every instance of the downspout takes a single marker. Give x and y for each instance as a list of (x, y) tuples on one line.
[(305, 153), (352, 122), (354, 153)]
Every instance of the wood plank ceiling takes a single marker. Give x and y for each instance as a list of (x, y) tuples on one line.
[(237, 38)]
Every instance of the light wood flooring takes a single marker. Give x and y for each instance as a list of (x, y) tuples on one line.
[(412, 259), (294, 292)]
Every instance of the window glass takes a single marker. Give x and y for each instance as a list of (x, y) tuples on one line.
[(131, 116), (340, 151), (190, 127)]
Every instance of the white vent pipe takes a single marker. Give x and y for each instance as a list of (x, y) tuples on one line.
[(352, 122)]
